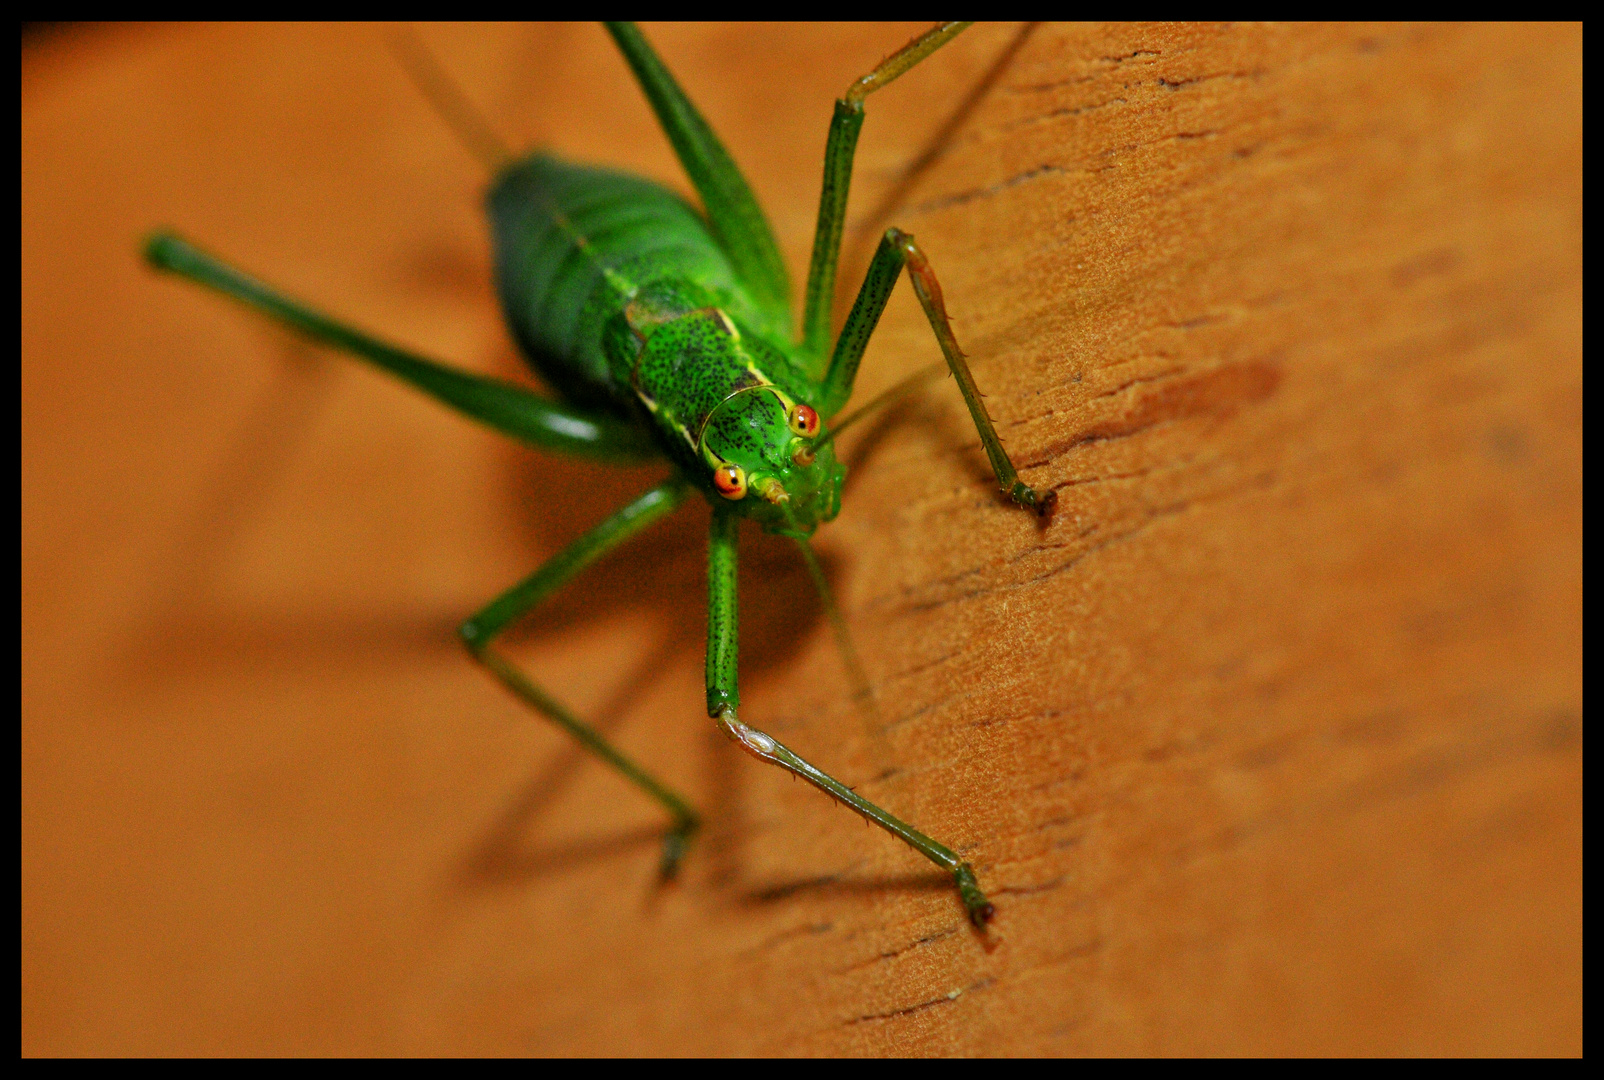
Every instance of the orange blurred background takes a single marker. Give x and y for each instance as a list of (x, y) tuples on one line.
[(1270, 743)]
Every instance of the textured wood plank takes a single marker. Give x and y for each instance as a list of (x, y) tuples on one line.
[(1269, 742)]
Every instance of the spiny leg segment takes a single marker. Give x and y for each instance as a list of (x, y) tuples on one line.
[(928, 289), (839, 152), (897, 250)]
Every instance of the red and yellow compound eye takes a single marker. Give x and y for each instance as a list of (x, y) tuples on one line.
[(730, 480), (804, 421)]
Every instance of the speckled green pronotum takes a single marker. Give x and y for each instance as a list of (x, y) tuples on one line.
[(668, 332)]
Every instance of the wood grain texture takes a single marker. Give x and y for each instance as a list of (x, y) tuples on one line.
[(1271, 742)]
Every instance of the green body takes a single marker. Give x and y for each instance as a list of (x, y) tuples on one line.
[(622, 299), (668, 332)]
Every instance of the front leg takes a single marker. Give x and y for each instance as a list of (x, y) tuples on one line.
[(897, 250), (723, 697)]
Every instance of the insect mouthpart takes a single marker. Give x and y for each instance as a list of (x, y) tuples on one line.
[(772, 490)]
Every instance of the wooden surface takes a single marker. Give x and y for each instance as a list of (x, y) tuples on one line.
[(1271, 742)]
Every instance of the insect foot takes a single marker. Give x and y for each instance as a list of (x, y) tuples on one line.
[(1043, 502), (981, 910)]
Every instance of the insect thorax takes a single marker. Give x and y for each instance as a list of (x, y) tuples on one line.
[(621, 298), (688, 368), (575, 245)]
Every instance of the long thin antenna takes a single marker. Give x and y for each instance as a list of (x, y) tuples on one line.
[(903, 389), (467, 123), (473, 131)]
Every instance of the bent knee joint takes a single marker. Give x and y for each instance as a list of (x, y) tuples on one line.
[(750, 739)]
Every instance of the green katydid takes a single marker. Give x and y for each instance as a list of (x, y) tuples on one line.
[(669, 333)]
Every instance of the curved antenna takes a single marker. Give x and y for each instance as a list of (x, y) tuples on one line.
[(903, 389), (472, 130), (701, 432), (466, 122)]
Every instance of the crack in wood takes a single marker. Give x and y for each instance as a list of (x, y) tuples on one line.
[(963, 197), (946, 999), (1028, 890), (892, 954)]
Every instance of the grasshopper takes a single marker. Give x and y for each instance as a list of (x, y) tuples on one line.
[(668, 333)]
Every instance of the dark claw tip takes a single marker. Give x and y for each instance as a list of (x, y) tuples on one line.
[(1026, 497), (983, 914)]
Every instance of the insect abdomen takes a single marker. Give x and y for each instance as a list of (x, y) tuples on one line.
[(573, 245)]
